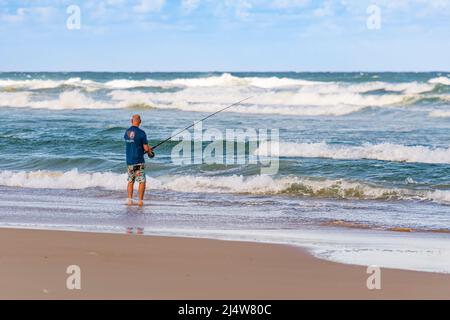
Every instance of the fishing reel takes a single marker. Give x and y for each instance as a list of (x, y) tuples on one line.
[(151, 154)]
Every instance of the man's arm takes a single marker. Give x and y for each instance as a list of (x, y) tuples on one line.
[(147, 148)]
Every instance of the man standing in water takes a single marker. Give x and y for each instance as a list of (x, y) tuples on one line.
[(137, 145)]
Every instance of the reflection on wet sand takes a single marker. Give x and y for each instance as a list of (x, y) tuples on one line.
[(135, 230)]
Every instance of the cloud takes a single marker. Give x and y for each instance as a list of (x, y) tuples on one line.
[(41, 14), (242, 9), (253, 13), (285, 4), (441, 4), (115, 2), (397, 5), (325, 10), (146, 6), (189, 5)]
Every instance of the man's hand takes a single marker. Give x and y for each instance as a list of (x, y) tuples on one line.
[(149, 151)]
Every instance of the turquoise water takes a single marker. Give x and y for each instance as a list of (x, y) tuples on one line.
[(343, 136), (362, 150), (387, 131)]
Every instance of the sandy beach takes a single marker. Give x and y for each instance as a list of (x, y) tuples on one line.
[(113, 266), (224, 150)]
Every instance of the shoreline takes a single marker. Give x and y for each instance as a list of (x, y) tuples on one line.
[(33, 265)]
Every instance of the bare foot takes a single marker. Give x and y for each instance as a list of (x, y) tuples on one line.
[(141, 203), (129, 202)]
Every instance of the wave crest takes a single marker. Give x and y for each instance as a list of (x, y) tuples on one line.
[(271, 95), (384, 152), (261, 184), (225, 80), (66, 100), (440, 80)]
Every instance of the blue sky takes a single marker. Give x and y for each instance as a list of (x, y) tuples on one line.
[(225, 35)]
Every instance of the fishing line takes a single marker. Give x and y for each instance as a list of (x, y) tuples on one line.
[(152, 154)]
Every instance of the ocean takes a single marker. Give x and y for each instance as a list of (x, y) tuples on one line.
[(363, 171)]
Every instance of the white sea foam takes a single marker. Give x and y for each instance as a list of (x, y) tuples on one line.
[(29, 84), (270, 95), (61, 180), (440, 80), (209, 102), (413, 251), (284, 103), (272, 102), (66, 100), (226, 80), (130, 84), (260, 184), (410, 251), (440, 114), (14, 99), (365, 87), (267, 185), (37, 84), (383, 151), (71, 100)]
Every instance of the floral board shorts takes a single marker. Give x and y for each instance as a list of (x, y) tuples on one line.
[(136, 173)]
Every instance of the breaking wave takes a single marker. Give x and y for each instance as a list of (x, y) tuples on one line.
[(261, 185), (308, 104), (39, 84), (66, 100), (224, 80), (440, 80), (271, 103), (384, 151), (271, 95)]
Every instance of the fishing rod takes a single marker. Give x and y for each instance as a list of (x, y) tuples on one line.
[(152, 154)]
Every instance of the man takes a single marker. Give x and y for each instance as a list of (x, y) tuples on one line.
[(136, 146)]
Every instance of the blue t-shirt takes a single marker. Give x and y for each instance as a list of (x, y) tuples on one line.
[(135, 139)]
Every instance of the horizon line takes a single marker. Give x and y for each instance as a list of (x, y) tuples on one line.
[(226, 71)]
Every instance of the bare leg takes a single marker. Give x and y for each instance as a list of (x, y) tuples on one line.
[(130, 193), (141, 194)]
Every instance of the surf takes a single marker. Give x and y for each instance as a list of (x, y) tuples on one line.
[(383, 152), (293, 186)]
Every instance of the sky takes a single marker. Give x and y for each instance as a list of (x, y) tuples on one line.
[(225, 35)]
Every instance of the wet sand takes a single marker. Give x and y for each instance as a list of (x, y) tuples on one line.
[(33, 265)]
